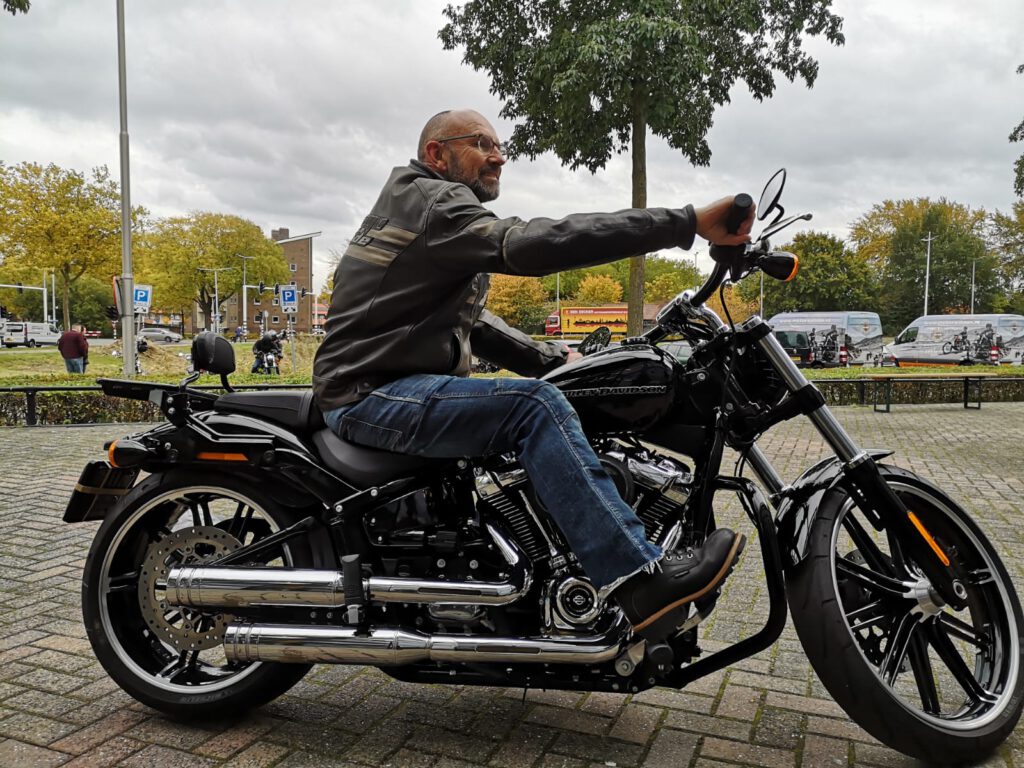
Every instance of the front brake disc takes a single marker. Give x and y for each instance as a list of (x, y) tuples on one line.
[(186, 629)]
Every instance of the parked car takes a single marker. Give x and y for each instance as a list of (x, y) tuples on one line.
[(160, 334), (798, 346)]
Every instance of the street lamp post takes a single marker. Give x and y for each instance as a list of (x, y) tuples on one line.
[(974, 264), (245, 308), (927, 267), (216, 293)]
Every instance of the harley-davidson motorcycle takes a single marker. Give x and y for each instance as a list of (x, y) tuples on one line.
[(242, 542)]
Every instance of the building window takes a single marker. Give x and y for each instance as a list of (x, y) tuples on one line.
[(294, 267), (273, 302), (256, 300), (275, 320)]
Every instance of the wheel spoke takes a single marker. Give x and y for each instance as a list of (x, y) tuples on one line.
[(958, 667), (867, 616), (964, 631), (896, 649), (126, 582), (871, 580), (923, 674), (185, 662), (980, 576), (867, 547)]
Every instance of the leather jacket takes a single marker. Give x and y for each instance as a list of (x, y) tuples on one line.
[(410, 288)]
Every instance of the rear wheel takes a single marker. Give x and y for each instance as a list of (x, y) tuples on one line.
[(939, 684), (167, 657), (31, 343)]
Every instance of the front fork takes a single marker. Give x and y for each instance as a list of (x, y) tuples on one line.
[(862, 478)]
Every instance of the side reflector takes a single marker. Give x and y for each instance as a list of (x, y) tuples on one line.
[(928, 537), (213, 456)]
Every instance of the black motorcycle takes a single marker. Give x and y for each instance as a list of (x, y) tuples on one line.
[(259, 543)]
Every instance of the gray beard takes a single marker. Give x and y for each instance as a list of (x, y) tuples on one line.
[(484, 192)]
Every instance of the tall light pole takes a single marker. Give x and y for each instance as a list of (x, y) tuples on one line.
[(245, 301), (974, 263), (216, 293), (127, 279), (927, 267)]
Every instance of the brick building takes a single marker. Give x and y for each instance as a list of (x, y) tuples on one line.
[(265, 308)]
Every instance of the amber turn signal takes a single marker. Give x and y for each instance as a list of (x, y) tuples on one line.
[(780, 265)]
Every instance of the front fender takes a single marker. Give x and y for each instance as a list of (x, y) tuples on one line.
[(799, 506)]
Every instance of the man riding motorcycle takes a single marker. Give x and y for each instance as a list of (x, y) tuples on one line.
[(268, 342), (407, 315)]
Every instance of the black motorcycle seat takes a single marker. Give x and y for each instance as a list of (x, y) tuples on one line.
[(365, 467), (295, 410)]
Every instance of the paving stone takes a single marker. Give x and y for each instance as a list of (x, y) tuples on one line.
[(155, 756), (18, 754), (110, 752), (763, 711)]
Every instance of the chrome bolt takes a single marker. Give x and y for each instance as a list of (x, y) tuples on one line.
[(440, 562)]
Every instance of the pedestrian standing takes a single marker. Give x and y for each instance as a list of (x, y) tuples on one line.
[(74, 348)]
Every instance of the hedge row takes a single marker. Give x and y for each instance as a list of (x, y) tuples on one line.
[(93, 407)]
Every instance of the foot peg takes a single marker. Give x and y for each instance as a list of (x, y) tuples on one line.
[(352, 579)]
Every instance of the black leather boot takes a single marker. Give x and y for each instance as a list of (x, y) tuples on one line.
[(656, 604)]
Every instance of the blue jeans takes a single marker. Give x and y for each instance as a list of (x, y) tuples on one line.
[(74, 365), (450, 417)]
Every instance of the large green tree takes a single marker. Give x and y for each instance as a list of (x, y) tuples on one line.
[(892, 238), (1008, 242), (60, 220), (1018, 167), (831, 277), (588, 78), (176, 255)]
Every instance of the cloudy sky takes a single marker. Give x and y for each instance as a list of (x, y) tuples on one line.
[(292, 114)]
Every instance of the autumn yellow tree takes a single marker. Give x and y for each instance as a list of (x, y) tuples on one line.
[(170, 257), (739, 308), (598, 289), (60, 220), (519, 301)]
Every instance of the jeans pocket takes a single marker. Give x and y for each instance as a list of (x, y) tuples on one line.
[(371, 435)]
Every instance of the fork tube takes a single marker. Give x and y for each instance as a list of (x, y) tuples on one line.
[(765, 472), (822, 418)]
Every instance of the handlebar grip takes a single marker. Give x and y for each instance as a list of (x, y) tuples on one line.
[(741, 205)]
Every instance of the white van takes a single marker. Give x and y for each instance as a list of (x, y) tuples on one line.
[(29, 334), (961, 340), (835, 338)]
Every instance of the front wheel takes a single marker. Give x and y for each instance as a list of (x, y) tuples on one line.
[(940, 684), (170, 658)]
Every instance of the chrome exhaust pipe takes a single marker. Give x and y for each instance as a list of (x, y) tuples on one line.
[(230, 587), (234, 587), (390, 647)]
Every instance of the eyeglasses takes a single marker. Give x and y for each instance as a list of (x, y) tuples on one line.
[(485, 144)]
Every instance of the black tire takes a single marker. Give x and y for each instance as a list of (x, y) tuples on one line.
[(194, 684), (903, 671), (31, 343)]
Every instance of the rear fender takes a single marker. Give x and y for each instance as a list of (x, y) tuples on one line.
[(799, 507)]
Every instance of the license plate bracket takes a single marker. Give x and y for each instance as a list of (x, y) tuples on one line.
[(98, 489)]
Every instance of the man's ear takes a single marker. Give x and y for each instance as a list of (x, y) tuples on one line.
[(434, 158)]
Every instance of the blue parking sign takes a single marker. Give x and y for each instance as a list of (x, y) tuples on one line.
[(143, 298), (289, 299)]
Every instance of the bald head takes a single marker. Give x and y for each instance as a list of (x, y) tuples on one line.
[(451, 122), (450, 146)]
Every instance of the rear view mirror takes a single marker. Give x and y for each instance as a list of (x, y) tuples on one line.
[(770, 196)]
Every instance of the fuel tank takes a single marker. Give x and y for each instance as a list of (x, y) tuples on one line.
[(624, 389)]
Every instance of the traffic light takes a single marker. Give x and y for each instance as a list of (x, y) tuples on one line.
[(112, 313), (277, 289), (20, 289), (302, 293), (3, 312), (261, 286)]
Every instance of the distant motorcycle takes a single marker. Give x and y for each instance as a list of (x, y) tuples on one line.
[(266, 362)]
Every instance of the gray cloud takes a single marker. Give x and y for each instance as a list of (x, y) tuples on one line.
[(293, 115)]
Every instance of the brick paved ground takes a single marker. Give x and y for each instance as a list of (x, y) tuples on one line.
[(57, 707)]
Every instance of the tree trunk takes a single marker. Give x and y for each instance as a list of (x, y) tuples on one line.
[(635, 298), (66, 302)]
